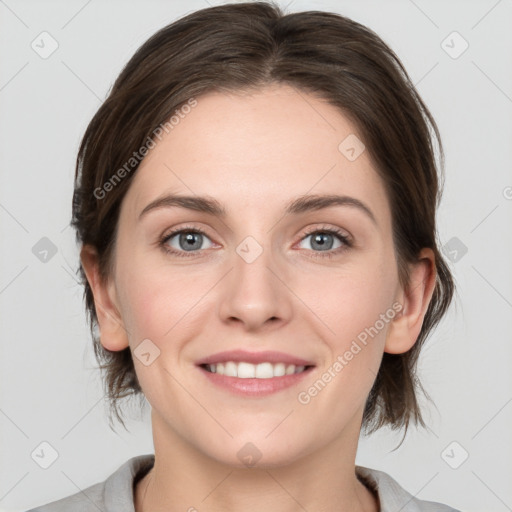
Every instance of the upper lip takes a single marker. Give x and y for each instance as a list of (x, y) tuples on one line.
[(268, 356)]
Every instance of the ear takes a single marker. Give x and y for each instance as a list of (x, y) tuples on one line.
[(406, 326), (113, 335)]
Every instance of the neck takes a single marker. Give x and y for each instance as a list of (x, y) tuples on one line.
[(184, 478)]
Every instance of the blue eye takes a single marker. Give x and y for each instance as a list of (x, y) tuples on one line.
[(324, 239), (189, 242)]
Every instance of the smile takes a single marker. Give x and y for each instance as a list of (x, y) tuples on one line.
[(254, 374), (244, 370)]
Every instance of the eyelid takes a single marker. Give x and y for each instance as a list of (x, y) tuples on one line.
[(171, 233), (308, 231), (330, 229), (344, 236), (185, 227), (346, 239)]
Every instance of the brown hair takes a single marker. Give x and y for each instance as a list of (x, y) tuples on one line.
[(245, 46)]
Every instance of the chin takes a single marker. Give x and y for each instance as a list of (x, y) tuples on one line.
[(246, 452)]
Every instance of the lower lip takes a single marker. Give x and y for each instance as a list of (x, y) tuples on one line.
[(255, 387)]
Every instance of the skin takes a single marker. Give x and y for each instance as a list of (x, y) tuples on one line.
[(254, 153)]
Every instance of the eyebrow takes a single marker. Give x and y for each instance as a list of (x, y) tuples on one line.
[(299, 205)]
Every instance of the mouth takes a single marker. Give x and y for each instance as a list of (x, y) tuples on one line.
[(254, 374), (245, 370)]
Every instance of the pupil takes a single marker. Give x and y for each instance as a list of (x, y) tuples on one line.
[(189, 239), (320, 239)]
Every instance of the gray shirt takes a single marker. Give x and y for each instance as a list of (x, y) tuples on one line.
[(115, 494)]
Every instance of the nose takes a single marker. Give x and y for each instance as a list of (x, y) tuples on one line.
[(254, 293)]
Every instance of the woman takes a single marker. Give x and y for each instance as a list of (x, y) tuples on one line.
[(255, 204)]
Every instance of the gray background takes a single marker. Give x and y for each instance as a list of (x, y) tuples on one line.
[(50, 390)]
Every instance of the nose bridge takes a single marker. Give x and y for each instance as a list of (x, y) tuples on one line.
[(253, 293)]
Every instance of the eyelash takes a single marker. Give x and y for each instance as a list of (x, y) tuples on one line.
[(347, 244)]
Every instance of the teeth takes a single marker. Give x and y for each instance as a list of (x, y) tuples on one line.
[(264, 371), (251, 371), (279, 369), (230, 369), (244, 371)]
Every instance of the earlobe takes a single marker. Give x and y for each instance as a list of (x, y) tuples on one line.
[(406, 326), (113, 334)]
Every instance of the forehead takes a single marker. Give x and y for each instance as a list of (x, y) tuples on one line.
[(258, 150)]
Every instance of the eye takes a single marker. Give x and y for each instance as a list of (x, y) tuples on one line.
[(188, 241), (323, 240), (185, 241)]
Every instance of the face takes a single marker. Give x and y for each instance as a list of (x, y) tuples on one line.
[(302, 282)]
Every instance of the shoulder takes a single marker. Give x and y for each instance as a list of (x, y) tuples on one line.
[(394, 497), (115, 494)]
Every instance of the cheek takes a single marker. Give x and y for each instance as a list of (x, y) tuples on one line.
[(356, 310), (355, 306), (156, 301), (160, 306), (353, 300)]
